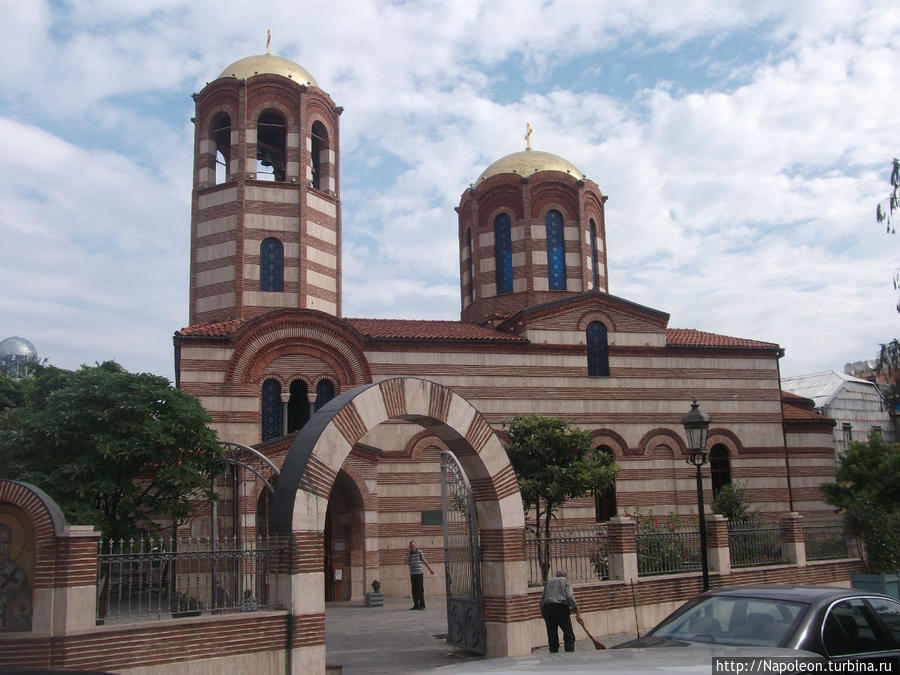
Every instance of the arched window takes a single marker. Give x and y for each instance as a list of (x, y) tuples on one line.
[(471, 266), (271, 409), (605, 500), (595, 270), (719, 467), (318, 147), (271, 265), (298, 406), (556, 254), (597, 349), (324, 392), (271, 146), (220, 133), (503, 253)]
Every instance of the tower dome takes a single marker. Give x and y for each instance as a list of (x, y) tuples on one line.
[(527, 162), (531, 231), (268, 64)]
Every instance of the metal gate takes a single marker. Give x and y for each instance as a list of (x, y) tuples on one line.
[(462, 558)]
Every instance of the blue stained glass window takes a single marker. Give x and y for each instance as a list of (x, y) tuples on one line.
[(324, 392), (271, 265), (503, 253), (556, 255), (471, 266), (597, 350), (271, 409), (594, 261)]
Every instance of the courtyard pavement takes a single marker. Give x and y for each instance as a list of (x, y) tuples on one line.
[(394, 639)]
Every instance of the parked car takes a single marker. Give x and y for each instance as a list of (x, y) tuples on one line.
[(628, 661), (838, 623)]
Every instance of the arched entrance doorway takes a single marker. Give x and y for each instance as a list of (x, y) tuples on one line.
[(344, 520), (311, 469)]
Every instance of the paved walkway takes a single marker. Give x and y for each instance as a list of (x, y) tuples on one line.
[(394, 639)]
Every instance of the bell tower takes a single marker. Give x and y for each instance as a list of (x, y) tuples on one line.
[(531, 230), (266, 210)]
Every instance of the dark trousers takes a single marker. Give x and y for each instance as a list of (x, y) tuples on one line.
[(556, 616), (417, 581)]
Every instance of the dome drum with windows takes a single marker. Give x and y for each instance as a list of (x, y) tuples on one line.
[(531, 230)]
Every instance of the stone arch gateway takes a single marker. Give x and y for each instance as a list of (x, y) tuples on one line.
[(311, 467)]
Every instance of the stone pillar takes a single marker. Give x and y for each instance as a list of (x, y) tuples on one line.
[(717, 544), (792, 539), (622, 549), (72, 599)]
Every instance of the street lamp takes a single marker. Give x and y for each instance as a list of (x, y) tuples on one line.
[(696, 427)]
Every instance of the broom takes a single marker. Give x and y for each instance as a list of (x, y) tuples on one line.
[(597, 643)]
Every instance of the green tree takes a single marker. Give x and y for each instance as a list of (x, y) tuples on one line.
[(554, 463), (114, 449), (866, 491)]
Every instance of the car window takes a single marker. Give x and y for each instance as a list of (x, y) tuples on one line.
[(889, 612), (848, 630), (738, 621)]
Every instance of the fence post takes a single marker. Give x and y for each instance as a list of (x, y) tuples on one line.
[(623, 563), (717, 542), (792, 539)]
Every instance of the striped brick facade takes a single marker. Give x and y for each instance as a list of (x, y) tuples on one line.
[(232, 216)]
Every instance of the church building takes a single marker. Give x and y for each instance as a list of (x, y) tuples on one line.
[(539, 332)]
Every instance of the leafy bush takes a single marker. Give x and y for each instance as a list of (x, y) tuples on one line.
[(731, 502)]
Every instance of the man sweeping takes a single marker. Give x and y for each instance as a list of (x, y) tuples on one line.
[(556, 603)]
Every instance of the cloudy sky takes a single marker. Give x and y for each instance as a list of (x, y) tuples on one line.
[(743, 145)]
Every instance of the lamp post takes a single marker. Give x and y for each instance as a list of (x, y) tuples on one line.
[(696, 427)]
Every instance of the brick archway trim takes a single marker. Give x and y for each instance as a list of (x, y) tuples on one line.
[(655, 437), (47, 523)]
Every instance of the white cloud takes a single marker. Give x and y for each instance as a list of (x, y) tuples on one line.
[(740, 203)]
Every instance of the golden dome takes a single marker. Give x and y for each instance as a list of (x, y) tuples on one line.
[(267, 64), (527, 162)]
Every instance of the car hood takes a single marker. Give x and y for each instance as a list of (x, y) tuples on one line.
[(652, 642), (697, 659)]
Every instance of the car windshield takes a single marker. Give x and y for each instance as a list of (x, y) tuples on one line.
[(729, 620)]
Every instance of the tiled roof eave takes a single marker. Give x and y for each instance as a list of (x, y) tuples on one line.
[(485, 340)]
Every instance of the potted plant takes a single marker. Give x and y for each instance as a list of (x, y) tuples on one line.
[(183, 605), (375, 598), (248, 602), (866, 493)]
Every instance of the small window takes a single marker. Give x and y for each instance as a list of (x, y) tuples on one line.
[(605, 500), (556, 254), (298, 406), (271, 265), (220, 132), (271, 146), (719, 468), (324, 392), (597, 350), (503, 253), (318, 149), (595, 262), (271, 409), (471, 266)]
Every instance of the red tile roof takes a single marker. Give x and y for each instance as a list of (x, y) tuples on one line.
[(796, 412), (688, 337), (213, 329), (417, 329)]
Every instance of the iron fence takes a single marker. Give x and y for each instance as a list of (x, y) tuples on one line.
[(582, 552), (825, 539), (667, 548), (755, 543), (149, 578)]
